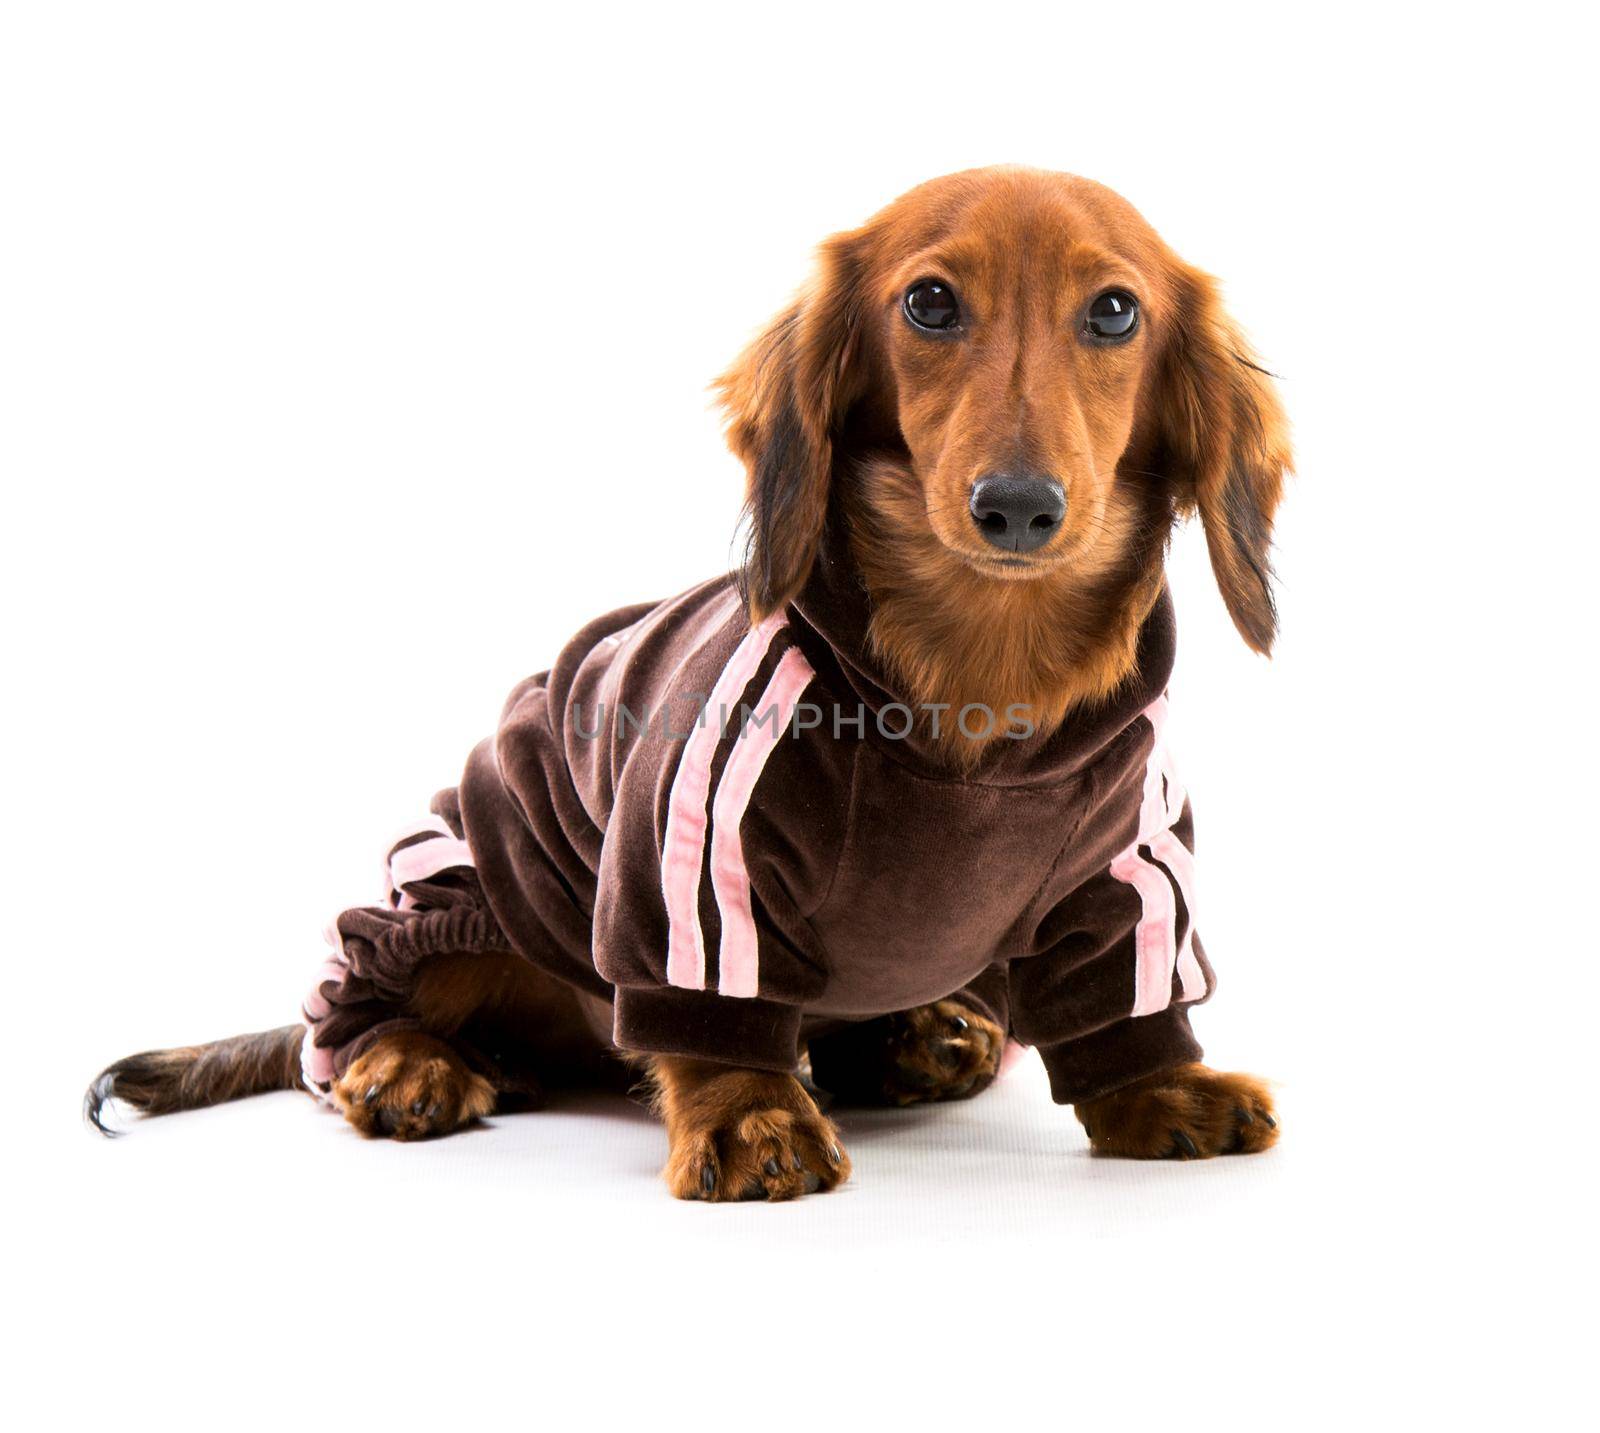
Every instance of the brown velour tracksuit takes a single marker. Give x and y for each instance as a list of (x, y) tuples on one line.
[(721, 829)]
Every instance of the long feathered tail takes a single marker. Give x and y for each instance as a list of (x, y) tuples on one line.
[(160, 1082)]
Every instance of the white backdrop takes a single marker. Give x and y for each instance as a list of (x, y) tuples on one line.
[(324, 328)]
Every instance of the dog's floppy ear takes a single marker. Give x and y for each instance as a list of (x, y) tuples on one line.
[(1222, 437), (785, 399)]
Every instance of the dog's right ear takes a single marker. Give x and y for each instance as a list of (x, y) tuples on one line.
[(785, 399)]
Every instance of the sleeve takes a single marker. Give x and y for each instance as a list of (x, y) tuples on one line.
[(1106, 997), (721, 845), (712, 968)]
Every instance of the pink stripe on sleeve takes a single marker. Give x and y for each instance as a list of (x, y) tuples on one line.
[(1156, 714), (1176, 795), (1153, 808), (1179, 859), (1156, 952), (739, 962), (684, 844), (1153, 942), (1191, 978)]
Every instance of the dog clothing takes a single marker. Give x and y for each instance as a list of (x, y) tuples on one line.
[(738, 836)]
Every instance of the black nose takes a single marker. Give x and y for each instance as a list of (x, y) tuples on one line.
[(1017, 514)]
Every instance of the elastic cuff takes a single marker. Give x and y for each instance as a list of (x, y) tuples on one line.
[(705, 1026), (1095, 1065)]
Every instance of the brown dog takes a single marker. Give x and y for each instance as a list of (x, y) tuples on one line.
[(968, 442)]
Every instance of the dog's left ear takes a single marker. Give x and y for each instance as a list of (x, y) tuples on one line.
[(1222, 436), (785, 399)]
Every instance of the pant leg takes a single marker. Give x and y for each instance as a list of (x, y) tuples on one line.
[(432, 905)]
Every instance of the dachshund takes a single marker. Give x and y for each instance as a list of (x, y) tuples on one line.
[(921, 811)]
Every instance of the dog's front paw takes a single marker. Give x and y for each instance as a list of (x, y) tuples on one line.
[(744, 1134), (1188, 1113), (411, 1086)]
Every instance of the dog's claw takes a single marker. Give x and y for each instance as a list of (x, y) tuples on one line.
[(959, 1022), (708, 1180), (418, 1106), (771, 1167), (1186, 1144), (370, 1096), (1242, 1115), (1271, 1123), (834, 1155)]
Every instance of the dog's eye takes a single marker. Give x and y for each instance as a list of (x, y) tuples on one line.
[(1113, 314), (930, 304)]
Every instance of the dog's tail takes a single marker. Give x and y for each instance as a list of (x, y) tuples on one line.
[(159, 1082)]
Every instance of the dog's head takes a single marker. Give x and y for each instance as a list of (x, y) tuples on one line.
[(1025, 386)]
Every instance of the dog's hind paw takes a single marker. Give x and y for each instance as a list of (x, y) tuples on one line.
[(411, 1086), (1191, 1112), (941, 1051)]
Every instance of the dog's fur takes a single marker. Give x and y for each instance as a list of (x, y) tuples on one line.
[(843, 407)]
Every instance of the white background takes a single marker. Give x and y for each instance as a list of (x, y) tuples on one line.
[(334, 340)]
